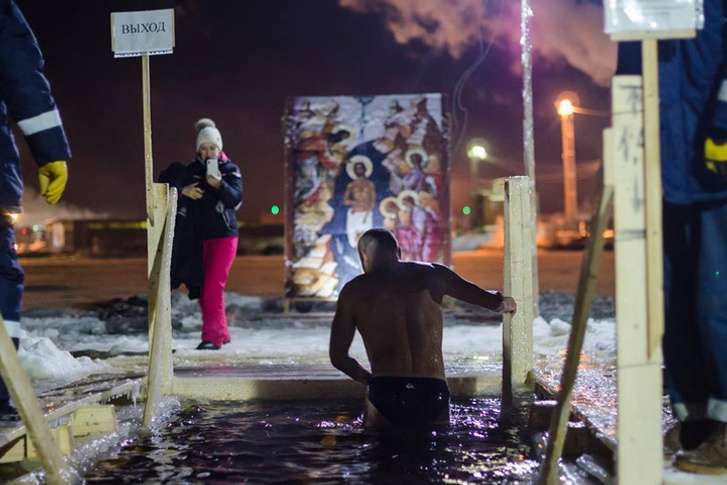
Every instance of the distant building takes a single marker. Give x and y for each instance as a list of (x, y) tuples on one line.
[(97, 237), (128, 237)]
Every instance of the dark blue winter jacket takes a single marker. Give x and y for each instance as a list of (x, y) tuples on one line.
[(690, 75), (25, 95), (212, 216)]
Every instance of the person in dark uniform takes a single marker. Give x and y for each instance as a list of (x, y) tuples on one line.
[(25, 96)]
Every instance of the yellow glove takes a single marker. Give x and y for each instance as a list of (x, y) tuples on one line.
[(53, 178), (715, 156)]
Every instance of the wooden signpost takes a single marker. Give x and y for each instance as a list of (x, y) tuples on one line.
[(141, 34), (633, 145), (640, 309)]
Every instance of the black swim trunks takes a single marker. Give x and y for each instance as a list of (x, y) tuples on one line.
[(410, 400)]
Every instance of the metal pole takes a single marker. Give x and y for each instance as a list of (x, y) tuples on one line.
[(570, 194), (528, 139)]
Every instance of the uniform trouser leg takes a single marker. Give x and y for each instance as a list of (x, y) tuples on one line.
[(695, 285), (218, 255), (11, 288)]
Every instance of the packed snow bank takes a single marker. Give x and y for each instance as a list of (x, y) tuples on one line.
[(263, 335), (42, 360)]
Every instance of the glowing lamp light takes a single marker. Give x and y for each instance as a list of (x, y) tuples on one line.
[(275, 210), (477, 152), (565, 107), (466, 210), (14, 217)]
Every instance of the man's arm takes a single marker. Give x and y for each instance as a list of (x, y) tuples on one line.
[(457, 287), (342, 332)]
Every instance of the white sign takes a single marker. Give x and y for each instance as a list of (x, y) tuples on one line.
[(137, 33), (653, 15)]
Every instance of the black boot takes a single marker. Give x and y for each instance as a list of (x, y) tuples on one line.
[(204, 345), (7, 411), (694, 433)]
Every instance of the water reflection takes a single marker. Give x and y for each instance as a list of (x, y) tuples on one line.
[(305, 442)]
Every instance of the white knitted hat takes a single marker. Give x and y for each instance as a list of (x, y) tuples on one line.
[(207, 132)]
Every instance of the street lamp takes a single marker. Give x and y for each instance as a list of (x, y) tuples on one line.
[(476, 152), (565, 105)]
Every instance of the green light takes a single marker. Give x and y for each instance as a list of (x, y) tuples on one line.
[(466, 210), (275, 210)]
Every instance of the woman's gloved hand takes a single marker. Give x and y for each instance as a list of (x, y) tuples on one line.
[(52, 178), (193, 191)]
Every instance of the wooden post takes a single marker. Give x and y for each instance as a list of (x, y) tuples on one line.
[(517, 339), (16, 380), (639, 456), (159, 380), (652, 179), (148, 160), (582, 309)]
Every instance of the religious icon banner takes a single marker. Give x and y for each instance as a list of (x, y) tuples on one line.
[(358, 162)]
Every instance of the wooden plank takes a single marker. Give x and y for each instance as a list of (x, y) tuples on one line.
[(629, 220), (94, 420), (639, 456), (14, 451), (62, 435), (654, 35), (128, 387), (652, 180), (26, 402), (639, 450), (582, 309), (160, 350), (518, 329), (148, 161)]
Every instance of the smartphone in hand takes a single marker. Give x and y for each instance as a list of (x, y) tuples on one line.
[(213, 167)]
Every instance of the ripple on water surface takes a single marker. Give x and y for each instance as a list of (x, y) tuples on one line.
[(305, 442)]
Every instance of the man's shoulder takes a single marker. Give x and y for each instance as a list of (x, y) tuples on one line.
[(354, 285)]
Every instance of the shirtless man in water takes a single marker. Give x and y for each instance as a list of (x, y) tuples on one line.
[(395, 305)]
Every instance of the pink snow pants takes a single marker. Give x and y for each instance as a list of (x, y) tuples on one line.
[(217, 257)]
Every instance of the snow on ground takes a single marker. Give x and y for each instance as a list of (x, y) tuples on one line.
[(263, 335)]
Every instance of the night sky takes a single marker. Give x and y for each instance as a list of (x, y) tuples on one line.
[(236, 62)]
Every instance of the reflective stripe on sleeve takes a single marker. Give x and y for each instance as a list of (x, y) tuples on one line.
[(722, 94), (690, 411), (717, 409), (42, 122), (13, 328)]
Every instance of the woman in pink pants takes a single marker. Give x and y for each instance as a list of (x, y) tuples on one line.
[(205, 239)]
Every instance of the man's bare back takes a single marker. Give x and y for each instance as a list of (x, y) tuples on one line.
[(395, 306)]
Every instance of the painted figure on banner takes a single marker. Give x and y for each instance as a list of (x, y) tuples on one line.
[(319, 148), (354, 166), (360, 196)]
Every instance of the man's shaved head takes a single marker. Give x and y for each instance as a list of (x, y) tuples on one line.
[(376, 246)]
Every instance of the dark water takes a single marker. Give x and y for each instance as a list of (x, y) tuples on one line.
[(302, 442)]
